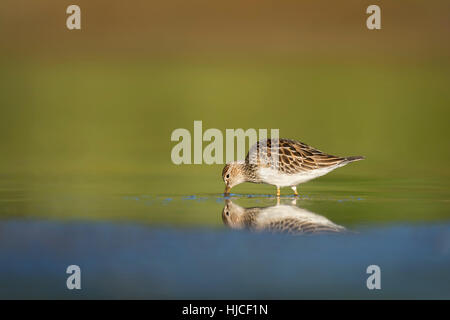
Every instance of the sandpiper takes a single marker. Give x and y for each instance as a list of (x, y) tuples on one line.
[(282, 163)]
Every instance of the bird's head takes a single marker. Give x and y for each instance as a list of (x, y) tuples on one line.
[(233, 174)]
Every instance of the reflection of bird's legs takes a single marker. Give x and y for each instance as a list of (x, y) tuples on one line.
[(278, 191), (295, 190), (294, 202), (278, 201)]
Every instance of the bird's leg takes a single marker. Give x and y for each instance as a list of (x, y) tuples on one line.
[(278, 191), (295, 190)]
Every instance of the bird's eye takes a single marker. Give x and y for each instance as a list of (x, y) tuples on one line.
[(227, 213), (228, 175)]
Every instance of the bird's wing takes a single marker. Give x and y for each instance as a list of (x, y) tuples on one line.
[(293, 156)]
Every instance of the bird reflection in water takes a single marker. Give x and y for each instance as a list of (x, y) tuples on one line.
[(288, 219)]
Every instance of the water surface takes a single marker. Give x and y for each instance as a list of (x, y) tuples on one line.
[(140, 244)]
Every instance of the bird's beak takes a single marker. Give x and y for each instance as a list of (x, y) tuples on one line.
[(227, 189)]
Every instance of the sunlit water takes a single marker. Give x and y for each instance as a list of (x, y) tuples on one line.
[(131, 243)]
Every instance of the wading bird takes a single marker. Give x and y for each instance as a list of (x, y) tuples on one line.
[(282, 163)]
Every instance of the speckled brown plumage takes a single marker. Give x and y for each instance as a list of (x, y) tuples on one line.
[(282, 163), (290, 156)]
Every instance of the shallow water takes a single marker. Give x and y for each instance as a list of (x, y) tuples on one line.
[(131, 261), (141, 244)]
